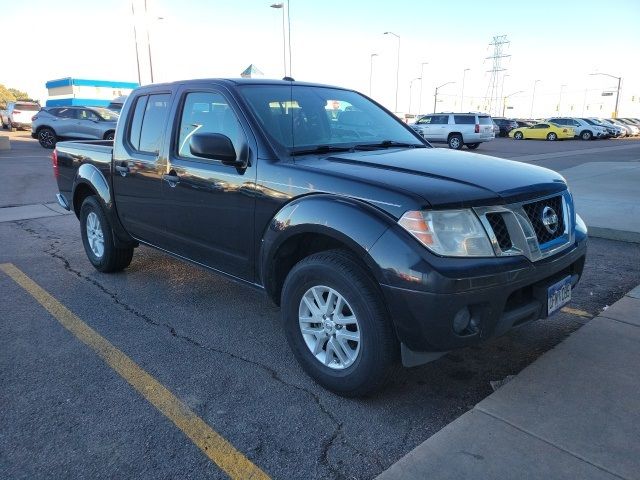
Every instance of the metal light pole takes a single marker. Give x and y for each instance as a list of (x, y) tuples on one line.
[(435, 96), (397, 67), (617, 91), (135, 38), (371, 70), (560, 99), (421, 85), (148, 41), (504, 100), (502, 88), (284, 37), (464, 73), (533, 98), (410, 90)]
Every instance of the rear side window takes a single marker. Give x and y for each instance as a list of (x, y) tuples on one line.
[(439, 119), (66, 113), (148, 122), (464, 119), (485, 120)]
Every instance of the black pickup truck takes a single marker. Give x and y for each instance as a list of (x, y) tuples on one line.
[(376, 246)]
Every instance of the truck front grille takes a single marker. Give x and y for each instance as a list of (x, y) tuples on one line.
[(535, 211), (500, 230)]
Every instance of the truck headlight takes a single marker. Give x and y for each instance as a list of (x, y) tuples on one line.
[(451, 233)]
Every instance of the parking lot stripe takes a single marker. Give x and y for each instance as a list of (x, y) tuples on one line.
[(212, 444)]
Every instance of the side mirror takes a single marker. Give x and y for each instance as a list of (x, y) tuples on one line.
[(215, 146)]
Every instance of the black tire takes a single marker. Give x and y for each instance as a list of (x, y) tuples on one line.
[(472, 146), (113, 259), (10, 126), (379, 348), (109, 135), (455, 141), (518, 135), (47, 138), (586, 135), (552, 137)]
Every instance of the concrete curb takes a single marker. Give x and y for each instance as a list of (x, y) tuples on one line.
[(5, 143), (614, 234)]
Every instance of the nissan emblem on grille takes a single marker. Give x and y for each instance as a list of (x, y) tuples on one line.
[(550, 219)]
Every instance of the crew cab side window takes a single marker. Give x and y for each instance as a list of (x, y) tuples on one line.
[(148, 122), (207, 112)]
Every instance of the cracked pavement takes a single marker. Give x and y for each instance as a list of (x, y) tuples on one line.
[(220, 348)]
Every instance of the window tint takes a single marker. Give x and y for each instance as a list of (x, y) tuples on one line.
[(85, 114), (207, 112), (67, 113), (136, 121), (440, 120), (464, 119), (485, 120), (588, 121), (155, 116)]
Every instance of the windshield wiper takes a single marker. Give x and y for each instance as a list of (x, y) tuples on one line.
[(388, 144), (321, 149)]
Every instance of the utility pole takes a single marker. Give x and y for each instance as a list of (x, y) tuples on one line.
[(146, 15), (493, 95), (371, 70), (615, 112), (411, 90), (435, 95), (135, 39), (464, 73), (421, 85), (533, 98), (397, 67)]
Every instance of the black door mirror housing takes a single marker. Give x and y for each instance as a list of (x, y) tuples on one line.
[(215, 146)]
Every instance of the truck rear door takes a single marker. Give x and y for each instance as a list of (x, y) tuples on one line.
[(208, 206), (138, 167)]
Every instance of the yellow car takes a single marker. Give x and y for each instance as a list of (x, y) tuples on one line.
[(543, 131)]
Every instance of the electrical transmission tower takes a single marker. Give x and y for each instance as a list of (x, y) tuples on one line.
[(493, 101)]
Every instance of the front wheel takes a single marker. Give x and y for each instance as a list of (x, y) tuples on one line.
[(518, 136), (586, 135), (337, 325), (97, 238), (472, 146), (47, 138), (552, 137), (10, 126), (455, 142)]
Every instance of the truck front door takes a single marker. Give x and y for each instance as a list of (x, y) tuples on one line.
[(208, 206)]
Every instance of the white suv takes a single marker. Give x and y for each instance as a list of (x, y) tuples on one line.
[(456, 129), (584, 128), (18, 115)]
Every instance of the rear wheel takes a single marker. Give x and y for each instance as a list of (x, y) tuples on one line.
[(47, 137), (552, 137), (10, 126), (472, 146), (337, 325), (455, 142), (109, 136), (586, 135), (97, 238), (518, 136)]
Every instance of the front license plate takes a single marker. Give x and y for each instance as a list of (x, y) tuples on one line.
[(558, 295)]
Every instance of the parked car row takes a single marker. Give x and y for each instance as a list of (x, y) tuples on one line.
[(18, 115), (456, 129)]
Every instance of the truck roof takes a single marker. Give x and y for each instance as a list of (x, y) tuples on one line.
[(243, 81)]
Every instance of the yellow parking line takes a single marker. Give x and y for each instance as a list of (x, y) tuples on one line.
[(576, 312), (212, 444)]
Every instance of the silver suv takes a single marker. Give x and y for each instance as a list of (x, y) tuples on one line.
[(18, 115), (92, 123), (456, 129)]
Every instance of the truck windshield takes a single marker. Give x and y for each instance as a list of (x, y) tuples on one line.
[(307, 118)]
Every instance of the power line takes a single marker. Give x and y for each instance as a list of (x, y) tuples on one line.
[(493, 92)]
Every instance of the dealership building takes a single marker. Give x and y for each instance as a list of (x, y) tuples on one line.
[(79, 91)]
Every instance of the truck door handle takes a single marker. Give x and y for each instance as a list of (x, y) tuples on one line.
[(171, 178), (122, 169)]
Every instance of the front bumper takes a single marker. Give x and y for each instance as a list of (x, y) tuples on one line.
[(506, 298)]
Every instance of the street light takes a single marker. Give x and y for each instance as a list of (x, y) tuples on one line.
[(421, 85), (371, 70), (397, 67), (533, 97), (504, 100), (502, 89), (560, 99), (435, 96), (146, 14), (135, 39), (615, 112), (464, 73), (410, 90)]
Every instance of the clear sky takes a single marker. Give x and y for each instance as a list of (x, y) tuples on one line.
[(556, 42)]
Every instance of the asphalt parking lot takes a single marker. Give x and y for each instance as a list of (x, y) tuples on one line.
[(68, 412)]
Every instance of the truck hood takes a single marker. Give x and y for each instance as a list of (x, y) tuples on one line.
[(443, 177)]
